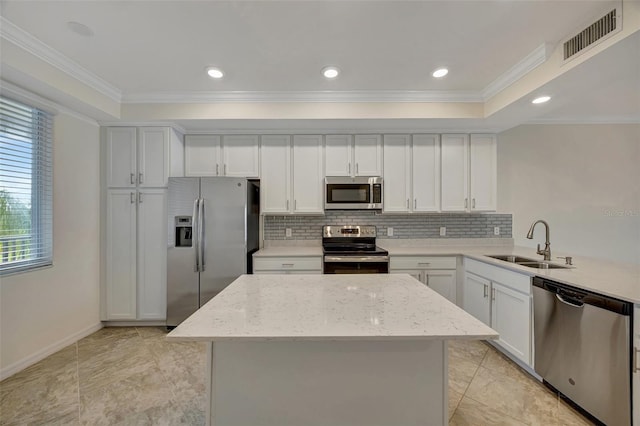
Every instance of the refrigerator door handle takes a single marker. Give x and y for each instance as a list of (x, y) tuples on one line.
[(196, 234), (201, 237)]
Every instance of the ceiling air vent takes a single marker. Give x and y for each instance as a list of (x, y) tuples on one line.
[(608, 24)]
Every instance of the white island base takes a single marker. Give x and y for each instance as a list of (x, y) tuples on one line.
[(330, 350), (346, 383)]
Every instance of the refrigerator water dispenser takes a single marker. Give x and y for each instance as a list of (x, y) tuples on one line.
[(184, 231)]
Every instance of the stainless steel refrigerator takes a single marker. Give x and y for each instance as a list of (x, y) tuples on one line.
[(213, 232)]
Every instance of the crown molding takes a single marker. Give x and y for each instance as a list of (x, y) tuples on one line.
[(171, 124), (29, 43), (19, 94), (400, 96), (537, 57), (587, 120)]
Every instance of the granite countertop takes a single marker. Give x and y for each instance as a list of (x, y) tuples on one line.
[(614, 279), (329, 307)]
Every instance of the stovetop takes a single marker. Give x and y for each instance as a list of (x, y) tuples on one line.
[(351, 240)]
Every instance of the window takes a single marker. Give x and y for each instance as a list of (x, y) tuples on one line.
[(26, 165)]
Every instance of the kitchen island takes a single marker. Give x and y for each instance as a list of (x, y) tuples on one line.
[(328, 350)]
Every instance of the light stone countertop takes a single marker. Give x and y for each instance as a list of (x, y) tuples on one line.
[(329, 307), (614, 279)]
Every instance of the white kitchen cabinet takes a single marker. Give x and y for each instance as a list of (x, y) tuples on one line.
[(501, 299), (367, 155), (144, 156), (338, 155), (229, 155), (397, 173), (468, 173), (425, 173), (275, 183), (121, 262), (152, 254), (353, 156), (483, 172), (437, 272), (288, 265), (136, 250), (240, 155), (476, 297), (202, 155), (411, 173), (121, 162), (308, 179), (455, 173)]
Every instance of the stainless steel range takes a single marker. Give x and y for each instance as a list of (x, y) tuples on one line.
[(352, 249)]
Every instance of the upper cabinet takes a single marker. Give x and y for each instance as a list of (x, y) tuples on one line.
[(455, 173), (143, 156), (483, 172), (292, 178), (469, 173), (411, 173), (346, 155), (213, 155)]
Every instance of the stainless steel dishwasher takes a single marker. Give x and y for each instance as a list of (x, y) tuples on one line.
[(583, 348)]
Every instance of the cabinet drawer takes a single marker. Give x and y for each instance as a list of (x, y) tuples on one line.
[(422, 262), (514, 280), (287, 263)]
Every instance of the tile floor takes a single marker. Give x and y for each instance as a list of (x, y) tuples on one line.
[(131, 376)]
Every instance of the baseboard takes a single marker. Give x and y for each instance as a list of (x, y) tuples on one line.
[(150, 323), (16, 367)]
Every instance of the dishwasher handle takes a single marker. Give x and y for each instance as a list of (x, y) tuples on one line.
[(569, 302)]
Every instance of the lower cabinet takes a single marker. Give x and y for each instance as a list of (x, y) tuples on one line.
[(437, 272), (501, 299), (287, 265), (136, 255)]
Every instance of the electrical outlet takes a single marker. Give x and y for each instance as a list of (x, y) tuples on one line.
[(496, 230), (443, 231), (389, 231), (287, 232)]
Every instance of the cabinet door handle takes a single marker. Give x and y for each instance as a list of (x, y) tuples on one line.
[(473, 203), (133, 178), (424, 263), (407, 203), (139, 177), (287, 265), (224, 169), (493, 294), (426, 278), (295, 204), (349, 168), (415, 203), (486, 290), (357, 168), (287, 204), (217, 169), (140, 197), (465, 203), (133, 197), (635, 360)]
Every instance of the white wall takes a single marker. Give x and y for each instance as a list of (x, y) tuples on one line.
[(41, 311), (582, 179)]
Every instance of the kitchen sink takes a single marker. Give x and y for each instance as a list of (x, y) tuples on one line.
[(511, 258), (525, 261)]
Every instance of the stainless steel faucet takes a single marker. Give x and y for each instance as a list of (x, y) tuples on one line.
[(547, 245)]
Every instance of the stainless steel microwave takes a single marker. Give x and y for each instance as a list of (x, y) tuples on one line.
[(353, 193)]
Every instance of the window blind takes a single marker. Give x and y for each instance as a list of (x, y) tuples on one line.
[(26, 165)]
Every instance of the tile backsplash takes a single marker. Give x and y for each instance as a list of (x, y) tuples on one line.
[(407, 226)]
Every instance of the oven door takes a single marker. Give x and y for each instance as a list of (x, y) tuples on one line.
[(356, 264)]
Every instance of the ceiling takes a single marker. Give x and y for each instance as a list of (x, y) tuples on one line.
[(150, 49)]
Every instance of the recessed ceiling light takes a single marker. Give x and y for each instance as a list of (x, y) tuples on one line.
[(215, 72), (330, 72), (440, 72), (80, 29), (541, 100)]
